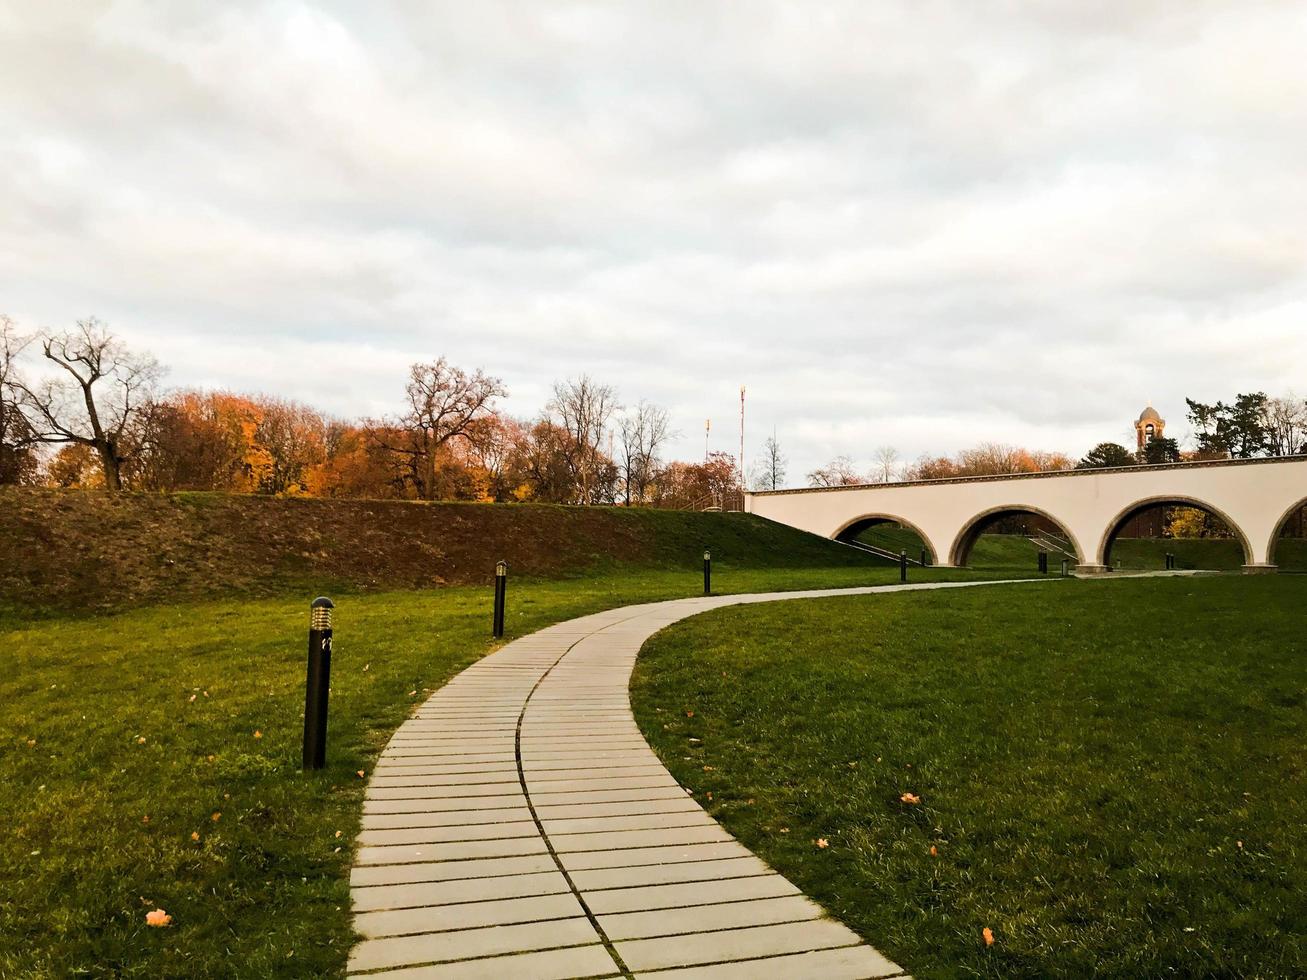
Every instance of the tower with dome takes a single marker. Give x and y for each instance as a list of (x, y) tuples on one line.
[(1148, 426)]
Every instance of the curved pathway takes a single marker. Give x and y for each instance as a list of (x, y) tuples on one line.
[(519, 826)]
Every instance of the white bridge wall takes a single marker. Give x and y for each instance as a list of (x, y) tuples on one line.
[(1253, 496)]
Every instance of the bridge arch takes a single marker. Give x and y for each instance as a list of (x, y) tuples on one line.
[(853, 528), (966, 538), (1177, 500), (1279, 527)]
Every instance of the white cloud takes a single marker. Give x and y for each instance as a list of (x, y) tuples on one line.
[(919, 224)]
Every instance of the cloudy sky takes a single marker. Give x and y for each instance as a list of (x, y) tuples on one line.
[(918, 224)]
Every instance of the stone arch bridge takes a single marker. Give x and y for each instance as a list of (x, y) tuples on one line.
[(1255, 498)]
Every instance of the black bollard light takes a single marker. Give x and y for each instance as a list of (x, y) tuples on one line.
[(501, 595), (903, 566), (1043, 563), (317, 685), (707, 572), (1066, 568), (923, 557)]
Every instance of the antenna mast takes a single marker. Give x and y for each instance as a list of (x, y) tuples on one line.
[(741, 437)]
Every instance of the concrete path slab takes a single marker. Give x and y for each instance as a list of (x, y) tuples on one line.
[(519, 826)]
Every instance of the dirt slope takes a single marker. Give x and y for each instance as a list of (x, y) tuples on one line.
[(81, 549)]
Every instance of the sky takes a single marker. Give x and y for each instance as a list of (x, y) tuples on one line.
[(923, 225)]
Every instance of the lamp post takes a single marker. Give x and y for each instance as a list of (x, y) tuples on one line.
[(317, 683), (501, 590)]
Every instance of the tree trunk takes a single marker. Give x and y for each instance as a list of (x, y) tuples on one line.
[(113, 476)]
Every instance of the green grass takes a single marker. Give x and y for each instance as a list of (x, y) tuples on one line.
[(1113, 773), (152, 713)]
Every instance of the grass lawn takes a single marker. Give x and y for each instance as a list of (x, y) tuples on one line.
[(1112, 775), (151, 758)]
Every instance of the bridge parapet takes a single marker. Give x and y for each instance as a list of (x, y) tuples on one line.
[(1254, 497)]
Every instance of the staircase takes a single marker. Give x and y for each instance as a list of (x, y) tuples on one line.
[(878, 552), (1051, 542)]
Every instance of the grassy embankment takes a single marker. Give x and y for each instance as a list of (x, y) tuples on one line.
[(151, 754), (1112, 775)]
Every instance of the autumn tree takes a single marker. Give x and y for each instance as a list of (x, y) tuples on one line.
[(932, 468), (642, 432), (75, 466), (581, 408), (839, 472), (288, 439), (492, 450), (988, 459), (353, 465), (101, 398), (197, 441), (698, 486), (18, 459), (541, 458), (1105, 455), (443, 401)]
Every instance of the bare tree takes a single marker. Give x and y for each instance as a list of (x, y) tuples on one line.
[(582, 408), (443, 403), (102, 403), (18, 461), (839, 472), (643, 431), (1285, 420), (769, 470), (887, 464)]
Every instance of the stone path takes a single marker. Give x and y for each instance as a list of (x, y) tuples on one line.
[(519, 826)]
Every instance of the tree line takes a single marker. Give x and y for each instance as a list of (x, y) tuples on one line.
[(1252, 426), (98, 417)]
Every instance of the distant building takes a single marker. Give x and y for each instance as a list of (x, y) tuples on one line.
[(1148, 523), (1148, 426)]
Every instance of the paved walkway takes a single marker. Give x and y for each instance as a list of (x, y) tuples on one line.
[(519, 826)]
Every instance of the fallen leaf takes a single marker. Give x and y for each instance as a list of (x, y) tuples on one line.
[(258, 734), (709, 768), (934, 851), (338, 833), (822, 843), (910, 798), (158, 918), (217, 815), (195, 835), (988, 933), (141, 740), (360, 774), (191, 699), (689, 714), (31, 743)]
